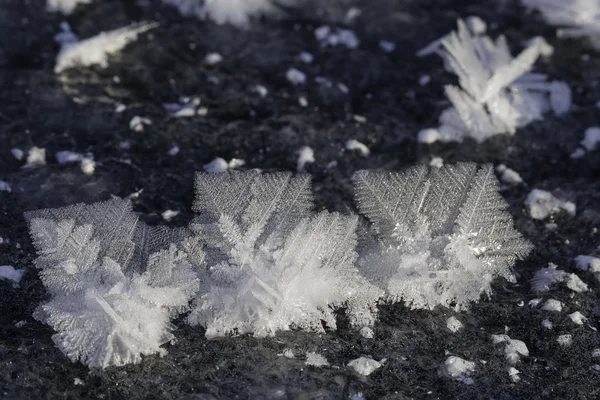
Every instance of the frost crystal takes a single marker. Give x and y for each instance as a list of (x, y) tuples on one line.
[(115, 282), (496, 94), (444, 234), (271, 265), (580, 18), (97, 49)]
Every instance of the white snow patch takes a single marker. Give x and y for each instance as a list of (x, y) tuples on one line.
[(565, 340), (552, 305), (212, 59), (365, 366), (547, 324), (316, 360), (591, 139), (97, 49), (88, 165), (353, 144), (306, 155), (5, 187), (577, 318), (215, 166), (367, 332), (8, 272), (295, 77), (436, 162), (168, 215), (302, 101), (508, 176), (137, 123), (36, 157), (173, 151), (588, 263), (453, 324), (458, 369), (541, 204), (514, 348), (120, 108), (261, 90), (428, 136)]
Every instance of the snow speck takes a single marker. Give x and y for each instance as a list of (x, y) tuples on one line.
[(514, 349), (306, 57), (513, 373), (288, 353), (261, 90), (306, 155), (547, 324), (508, 176), (17, 153), (596, 353), (353, 144), (8, 272), (35, 157), (364, 366), (64, 157), (215, 166), (20, 324), (173, 151), (295, 77), (534, 303), (453, 324), (316, 360), (137, 123), (591, 139), (359, 118), (436, 162), (476, 25), (387, 46), (338, 37), (424, 80), (88, 165), (565, 340), (168, 215), (541, 204), (578, 153), (552, 305), (577, 318), (77, 382), (5, 187), (302, 101), (213, 59), (202, 111), (560, 97), (428, 136), (120, 108), (367, 332), (458, 369)]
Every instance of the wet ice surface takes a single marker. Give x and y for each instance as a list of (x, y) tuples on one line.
[(250, 112)]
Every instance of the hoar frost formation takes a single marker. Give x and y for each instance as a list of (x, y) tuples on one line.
[(257, 259), (497, 93)]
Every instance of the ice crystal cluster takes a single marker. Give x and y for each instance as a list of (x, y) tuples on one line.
[(115, 283), (579, 18), (271, 263), (496, 92), (444, 234), (236, 12)]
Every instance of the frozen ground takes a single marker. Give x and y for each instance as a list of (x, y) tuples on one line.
[(76, 112)]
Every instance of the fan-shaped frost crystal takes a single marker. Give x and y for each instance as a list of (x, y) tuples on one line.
[(271, 265), (497, 94), (579, 18), (115, 282), (444, 234)]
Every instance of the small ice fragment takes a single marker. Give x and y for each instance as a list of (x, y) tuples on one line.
[(17, 153), (343, 88), (596, 353), (359, 118), (8, 272), (64, 157), (453, 324), (476, 25), (316, 360), (120, 108), (213, 59), (508, 176), (591, 139), (173, 151), (236, 163), (261, 90), (513, 373), (588, 263), (577, 318), (458, 369), (547, 324), (436, 162), (364, 366), (202, 111), (295, 77), (137, 123), (125, 145), (306, 155), (551, 226), (560, 97), (424, 80), (20, 324), (88, 165), (168, 215), (534, 302), (352, 14), (565, 340), (578, 153), (552, 305), (387, 46), (302, 101), (428, 136), (353, 144), (322, 32), (514, 348), (77, 381), (5, 187), (288, 353), (541, 204), (576, 284), (215, 166), (367, 332), (185, 112), (306, 57), (36, 157)]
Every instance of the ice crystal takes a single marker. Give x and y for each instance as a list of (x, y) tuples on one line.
[(115, 282), (579, 18), (443, 234), (271, 264), (97, 49), (497, 93)]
